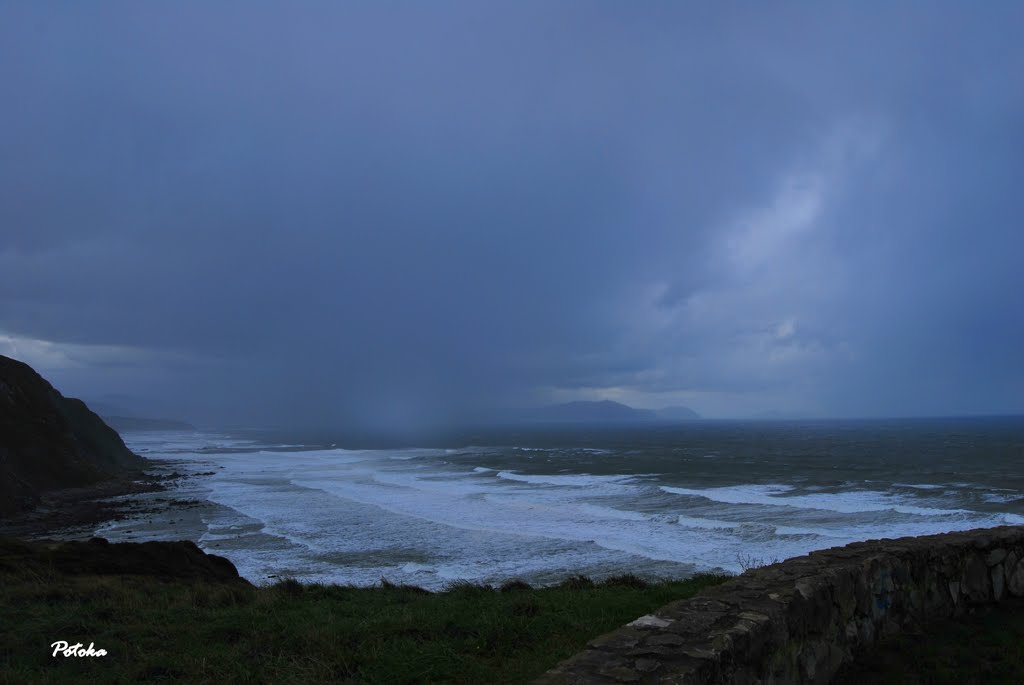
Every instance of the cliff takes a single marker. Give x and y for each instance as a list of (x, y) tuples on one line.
[(48, 441)]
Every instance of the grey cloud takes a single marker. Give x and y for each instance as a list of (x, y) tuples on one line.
[(348, 212)]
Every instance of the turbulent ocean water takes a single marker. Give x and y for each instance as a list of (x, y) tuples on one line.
[(546, 503)]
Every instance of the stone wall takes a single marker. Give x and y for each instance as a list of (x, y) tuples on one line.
[(798, 621)]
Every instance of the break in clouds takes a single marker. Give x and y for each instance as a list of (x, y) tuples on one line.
[(418, 213)]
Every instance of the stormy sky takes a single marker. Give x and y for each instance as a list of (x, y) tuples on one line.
[(400, 213)]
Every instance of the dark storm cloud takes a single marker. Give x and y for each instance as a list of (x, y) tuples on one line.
[(414, 213)]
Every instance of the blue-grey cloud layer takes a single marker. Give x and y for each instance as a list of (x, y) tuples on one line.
[(331, 212)]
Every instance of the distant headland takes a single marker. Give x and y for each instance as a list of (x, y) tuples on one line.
[(603, 411)]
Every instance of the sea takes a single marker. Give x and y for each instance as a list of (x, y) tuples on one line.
[(544, 503)]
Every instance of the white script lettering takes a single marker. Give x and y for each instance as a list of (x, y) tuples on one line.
[(62, 647)]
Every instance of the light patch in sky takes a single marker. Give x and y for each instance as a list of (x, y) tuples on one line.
[(45, 355), (762, 236), (42, 355), (774, 266), (786, 329)]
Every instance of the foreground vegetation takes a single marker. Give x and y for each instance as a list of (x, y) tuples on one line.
[(986, 648), (167, 612), (158, 630)]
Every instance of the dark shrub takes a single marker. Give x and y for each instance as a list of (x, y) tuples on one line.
[(577, 582)]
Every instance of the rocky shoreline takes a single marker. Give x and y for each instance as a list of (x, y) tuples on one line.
[(76, 513)]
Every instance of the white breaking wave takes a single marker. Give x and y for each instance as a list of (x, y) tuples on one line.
[(851, 502), (571, 480), (600, 512)]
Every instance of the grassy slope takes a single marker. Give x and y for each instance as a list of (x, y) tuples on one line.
[(206, 632), (157, 630)]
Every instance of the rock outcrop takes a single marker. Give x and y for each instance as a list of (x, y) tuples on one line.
[(167, 560), (49, 441), (800, 620)]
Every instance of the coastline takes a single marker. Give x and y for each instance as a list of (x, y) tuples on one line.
[(428, 516)]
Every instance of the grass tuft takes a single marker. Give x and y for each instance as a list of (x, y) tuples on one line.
[(625, 580), (289, 586), (468, 588)]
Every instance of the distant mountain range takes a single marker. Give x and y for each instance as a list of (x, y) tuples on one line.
[(604, 411)]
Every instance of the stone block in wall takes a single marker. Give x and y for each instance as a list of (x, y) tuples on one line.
[(996, 556), (977, 586), (1015, 575), (998, 585)]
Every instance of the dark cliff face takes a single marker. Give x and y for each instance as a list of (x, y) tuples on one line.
[(49, 441), (181, 559)]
